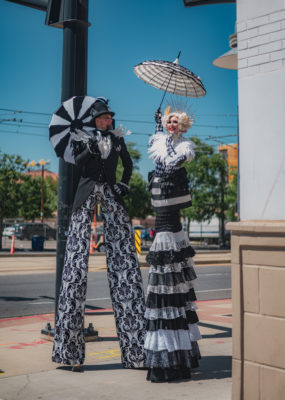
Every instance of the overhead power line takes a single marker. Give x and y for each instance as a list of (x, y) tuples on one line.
[(50, 114), (25, 112), (22, 133), (125, 120)]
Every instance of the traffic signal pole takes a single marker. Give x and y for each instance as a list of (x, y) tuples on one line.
[(74, 83), (72, 17)]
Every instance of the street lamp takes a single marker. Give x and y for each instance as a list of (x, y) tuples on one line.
[(229, 59), (192, 3), (42, 164)]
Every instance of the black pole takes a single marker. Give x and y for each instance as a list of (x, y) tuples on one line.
[(192, 3), (74, 83), (37, 4), (72, 16)]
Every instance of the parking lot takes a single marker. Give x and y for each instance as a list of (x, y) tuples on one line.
[(26, 245)]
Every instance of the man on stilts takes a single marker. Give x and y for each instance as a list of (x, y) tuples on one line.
[(97, 159)]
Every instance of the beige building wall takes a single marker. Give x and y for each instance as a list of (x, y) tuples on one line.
[(261, 82), (258, 240), (258, 293)]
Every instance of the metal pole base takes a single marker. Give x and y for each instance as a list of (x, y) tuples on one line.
[(90, 334)]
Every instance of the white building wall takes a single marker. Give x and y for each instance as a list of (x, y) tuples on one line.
[(261, 81)]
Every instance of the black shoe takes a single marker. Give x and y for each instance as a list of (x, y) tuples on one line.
[(77, 368)]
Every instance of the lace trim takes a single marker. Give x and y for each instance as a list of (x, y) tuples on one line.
[(172, 324), (169, 256), (170, 340), (164, 359), (170, 241), (185, 265), (169, 312), (171, 278), (183, 287)]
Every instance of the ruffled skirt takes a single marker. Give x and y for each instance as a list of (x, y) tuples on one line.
[(172, 331)]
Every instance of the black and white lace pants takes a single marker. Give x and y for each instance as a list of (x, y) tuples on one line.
[(124, 276)]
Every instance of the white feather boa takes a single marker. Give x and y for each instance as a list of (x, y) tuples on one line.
[(158, 149)]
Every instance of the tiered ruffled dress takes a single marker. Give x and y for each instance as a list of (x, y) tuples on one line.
[(172, 331)]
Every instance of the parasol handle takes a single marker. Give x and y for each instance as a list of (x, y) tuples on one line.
[(166, 90), (176, 62), (162, 100)]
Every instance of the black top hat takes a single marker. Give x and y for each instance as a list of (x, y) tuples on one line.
[(100, 107)]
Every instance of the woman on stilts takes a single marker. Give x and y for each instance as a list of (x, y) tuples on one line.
[(172, 332)]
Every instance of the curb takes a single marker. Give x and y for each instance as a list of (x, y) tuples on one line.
[(52, 270), (52, 253)]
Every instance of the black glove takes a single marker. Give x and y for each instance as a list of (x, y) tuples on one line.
[(157, 116), (121, 188), (151, 175), (177, 162), (92, 145)]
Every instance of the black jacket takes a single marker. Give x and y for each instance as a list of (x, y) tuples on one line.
[(94, 169)]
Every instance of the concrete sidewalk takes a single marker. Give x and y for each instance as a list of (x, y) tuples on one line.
[(28, 373), (24, 263)]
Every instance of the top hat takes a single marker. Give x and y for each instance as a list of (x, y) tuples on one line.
[(100, 107)]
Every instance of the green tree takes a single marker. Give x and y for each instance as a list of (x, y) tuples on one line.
[(11, 173), (138, 200), (30, 192), (134, 153), (205, 174), (231, 196)]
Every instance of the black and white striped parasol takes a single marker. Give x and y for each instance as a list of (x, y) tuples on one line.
[(170, 77), (72, 121)]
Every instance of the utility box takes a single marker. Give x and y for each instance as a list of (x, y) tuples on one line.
[(38, 243)]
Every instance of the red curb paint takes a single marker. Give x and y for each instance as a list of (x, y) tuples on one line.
[(23, 345), (45, 317), (41, 316)]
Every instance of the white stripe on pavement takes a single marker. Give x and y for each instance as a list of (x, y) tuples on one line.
[(211, 290), (50, 302)]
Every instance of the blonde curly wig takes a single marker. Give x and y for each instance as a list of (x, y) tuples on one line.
[(184, 121)]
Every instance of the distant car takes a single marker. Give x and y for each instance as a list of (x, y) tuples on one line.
[(26, 230), (152, 233), (99, 232), (9, 231)]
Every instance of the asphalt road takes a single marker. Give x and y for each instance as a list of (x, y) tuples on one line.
[(33, 294)]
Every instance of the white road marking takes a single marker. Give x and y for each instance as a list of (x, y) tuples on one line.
[(211, 290), (108, 298), (50, 302), (218, 273)]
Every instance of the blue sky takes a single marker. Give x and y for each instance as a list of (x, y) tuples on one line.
[(122, 34)]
